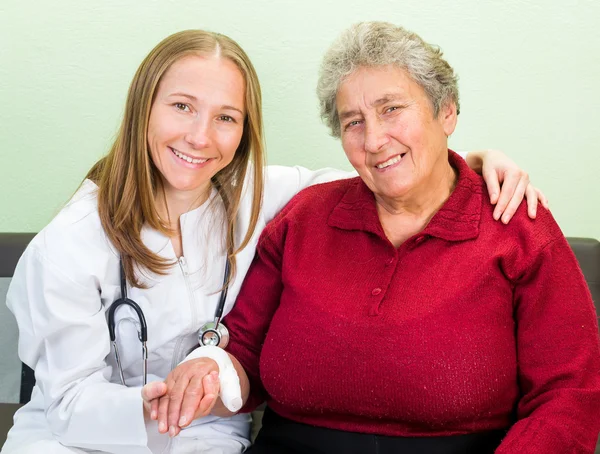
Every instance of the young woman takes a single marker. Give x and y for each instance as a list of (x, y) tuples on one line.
[(182, 192)]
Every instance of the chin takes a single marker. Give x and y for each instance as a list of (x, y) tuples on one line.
[(186, 186)]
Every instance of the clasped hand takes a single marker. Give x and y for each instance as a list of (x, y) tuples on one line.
[(189, 392)]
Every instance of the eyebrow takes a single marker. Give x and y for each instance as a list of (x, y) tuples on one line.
[(378, 102), (348, 114), (193, 98), (387, 98)]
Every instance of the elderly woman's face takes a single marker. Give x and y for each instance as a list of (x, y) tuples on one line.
[(389, 132)]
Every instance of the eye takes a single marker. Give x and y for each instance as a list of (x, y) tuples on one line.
[(391, 109), (182, 106), (352, 124), (226, 119)]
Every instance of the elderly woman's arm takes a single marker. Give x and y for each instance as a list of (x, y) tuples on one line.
[(558, 357)]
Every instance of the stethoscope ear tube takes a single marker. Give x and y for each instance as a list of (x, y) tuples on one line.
[(143, 333), (223, 298)]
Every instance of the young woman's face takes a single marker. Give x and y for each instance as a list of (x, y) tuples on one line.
[(196, 122)]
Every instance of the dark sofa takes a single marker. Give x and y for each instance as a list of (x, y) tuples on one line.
[(16, 381)]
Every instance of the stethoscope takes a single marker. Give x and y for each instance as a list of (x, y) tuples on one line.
[(211, 333)]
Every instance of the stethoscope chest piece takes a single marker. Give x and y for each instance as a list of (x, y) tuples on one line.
[(214, 334)]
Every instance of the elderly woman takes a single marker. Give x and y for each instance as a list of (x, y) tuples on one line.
[(389, 312)]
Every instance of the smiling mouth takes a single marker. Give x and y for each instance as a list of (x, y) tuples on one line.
[(187, 158), (393, 160)]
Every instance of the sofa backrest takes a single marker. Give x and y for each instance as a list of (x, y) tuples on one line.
[(12, 246), (586, 250)]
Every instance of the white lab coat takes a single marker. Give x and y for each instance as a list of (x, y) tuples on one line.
[(60, 294)]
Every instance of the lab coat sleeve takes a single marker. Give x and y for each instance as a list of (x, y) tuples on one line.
[(63, 336), (282, 183)]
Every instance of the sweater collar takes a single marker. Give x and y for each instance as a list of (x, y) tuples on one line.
[(457, 220)]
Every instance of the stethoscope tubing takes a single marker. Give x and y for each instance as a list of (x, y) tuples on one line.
[(218, 330)]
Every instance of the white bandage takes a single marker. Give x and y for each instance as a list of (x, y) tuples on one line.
[(231, 392)]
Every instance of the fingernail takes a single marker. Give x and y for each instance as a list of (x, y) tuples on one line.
[(182, 420), (172, 431), (153, 415), (505, 219), (162, 427)]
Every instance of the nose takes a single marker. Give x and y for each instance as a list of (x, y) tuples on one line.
[(375, 136), (199, 133)]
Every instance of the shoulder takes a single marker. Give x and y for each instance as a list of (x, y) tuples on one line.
[(523, 240), (532, 234), (74, 242)]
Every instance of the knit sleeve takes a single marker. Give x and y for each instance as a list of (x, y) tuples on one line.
[(249, 320), (558, 354)]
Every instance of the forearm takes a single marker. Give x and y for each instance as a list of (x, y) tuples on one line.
[(559, 353), (541, 435)]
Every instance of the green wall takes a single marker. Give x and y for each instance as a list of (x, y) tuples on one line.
[(529, 75)]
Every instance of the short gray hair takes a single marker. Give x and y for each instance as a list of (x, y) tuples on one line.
[(379, 44)]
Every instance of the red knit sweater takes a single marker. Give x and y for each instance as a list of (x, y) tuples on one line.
[(468, 326)]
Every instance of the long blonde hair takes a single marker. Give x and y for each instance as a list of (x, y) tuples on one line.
[(127, 179)]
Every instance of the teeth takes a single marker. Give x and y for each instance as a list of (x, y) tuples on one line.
[(187, 158), (389, 162)]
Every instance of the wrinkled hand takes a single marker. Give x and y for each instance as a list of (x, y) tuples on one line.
[(189, 392), (498, 169)]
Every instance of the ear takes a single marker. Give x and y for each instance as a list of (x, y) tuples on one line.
[(448, 117)]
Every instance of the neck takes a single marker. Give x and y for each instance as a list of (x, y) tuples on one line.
[(171, 203)]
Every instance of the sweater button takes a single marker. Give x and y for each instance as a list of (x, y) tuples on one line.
[(376, 291)]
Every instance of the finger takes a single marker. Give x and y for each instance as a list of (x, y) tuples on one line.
[(509, 186), (191, 401), (542, 198), (163, 408), (153, 390), (154, 409), (514, 203), (532, 201), (176, 397), (211, 392), (150, 395), (492, 180)]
